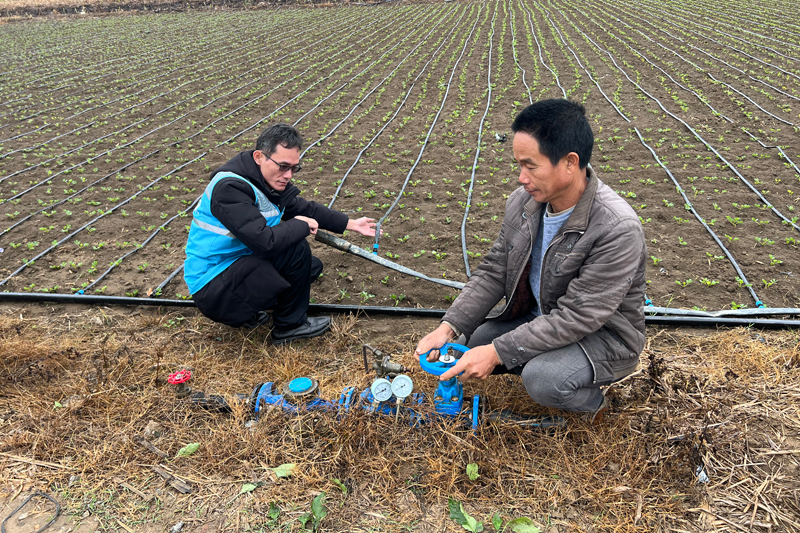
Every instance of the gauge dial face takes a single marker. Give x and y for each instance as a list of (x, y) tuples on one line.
[(381, 389), (402, 386)]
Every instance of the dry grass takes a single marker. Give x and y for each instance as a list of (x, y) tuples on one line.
[(727, 400)]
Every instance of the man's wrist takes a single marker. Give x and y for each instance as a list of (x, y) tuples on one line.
[(454, 331)]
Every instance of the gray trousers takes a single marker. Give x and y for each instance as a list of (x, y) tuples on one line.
[(560, 378)]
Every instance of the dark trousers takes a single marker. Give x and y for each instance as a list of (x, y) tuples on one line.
[(252, 284)]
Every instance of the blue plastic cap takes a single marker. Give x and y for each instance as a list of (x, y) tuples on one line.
[(298, 385), (648, 302)]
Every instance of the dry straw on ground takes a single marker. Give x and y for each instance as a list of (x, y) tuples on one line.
[(724, 401)]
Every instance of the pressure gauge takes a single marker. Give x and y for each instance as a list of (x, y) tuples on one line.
[(402, 386), (381, 389)]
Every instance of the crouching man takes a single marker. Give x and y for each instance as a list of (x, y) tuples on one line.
[(247, 250), (570, 263)]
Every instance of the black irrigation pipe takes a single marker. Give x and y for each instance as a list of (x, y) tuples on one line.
[(68, 198), (164, 283), (44, 252), (427, 137), (163, 226), (686, 200), (689, 321), (773, 28), (92, 221), (514, 52), (533, 32), (732, 88), (751, 43), (118, 261), (783, 154), (477, 150), (94, 68), (776, 67), (697, 135), (740, 28), (727, 253), (377, 86), (396, 112), (688, 89), (704, 52)]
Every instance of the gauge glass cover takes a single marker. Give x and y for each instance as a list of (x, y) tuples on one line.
[(402, 386), (381, 389)]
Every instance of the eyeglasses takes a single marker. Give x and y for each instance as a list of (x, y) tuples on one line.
[(283, 167)]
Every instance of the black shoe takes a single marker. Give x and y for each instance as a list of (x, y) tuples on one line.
[(262, 317), (316, 268), (314, 327)]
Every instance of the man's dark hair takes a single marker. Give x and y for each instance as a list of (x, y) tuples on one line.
[(278, 134), (560, 127)]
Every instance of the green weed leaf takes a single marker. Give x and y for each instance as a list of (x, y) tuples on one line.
[(522, 524), (497, 522), (274, 511), (472, 472), (318, 508), (188, 450), (460, 517), (341, 486), (248, 487), (285, 470), (304, 519)]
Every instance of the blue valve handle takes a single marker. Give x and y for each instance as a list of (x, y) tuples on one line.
[(437, 368)]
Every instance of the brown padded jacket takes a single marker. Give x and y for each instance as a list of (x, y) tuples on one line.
[(592, 284)]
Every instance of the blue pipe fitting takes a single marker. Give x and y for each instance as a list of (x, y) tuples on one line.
[(760, 304), (449, 398), (266, 397), (648, 302)]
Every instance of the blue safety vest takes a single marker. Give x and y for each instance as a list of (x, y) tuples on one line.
[(211, 247)]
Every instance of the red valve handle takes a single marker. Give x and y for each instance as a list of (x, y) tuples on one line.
[(181, 376)]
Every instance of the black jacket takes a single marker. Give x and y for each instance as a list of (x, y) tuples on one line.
[(233, 204)]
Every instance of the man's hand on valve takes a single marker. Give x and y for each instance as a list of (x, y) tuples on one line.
[(476, 363)]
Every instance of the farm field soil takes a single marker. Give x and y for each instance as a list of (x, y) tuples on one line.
[(106, 144), (81, 388)]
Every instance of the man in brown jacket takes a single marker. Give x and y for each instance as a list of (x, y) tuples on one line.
[(570, 263)]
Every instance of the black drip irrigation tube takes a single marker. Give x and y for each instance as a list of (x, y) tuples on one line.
[(514, 53), (651, 319), (539, 47), (427, 138), (695, 93), (477, 152), (396, 112)]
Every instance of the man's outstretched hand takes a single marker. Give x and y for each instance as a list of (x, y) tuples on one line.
[(363, 225), (476, 363), (435, 340)]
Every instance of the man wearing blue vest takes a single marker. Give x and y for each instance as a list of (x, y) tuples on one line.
[(569, 262), (247, 250)]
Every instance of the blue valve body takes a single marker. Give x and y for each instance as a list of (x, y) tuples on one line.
[(449, 397)]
